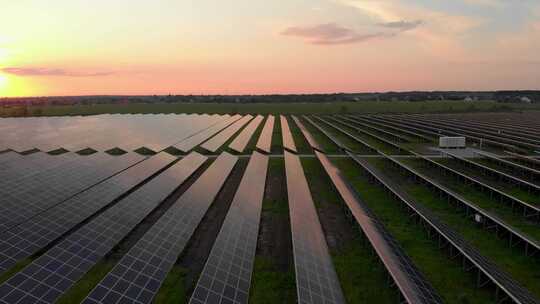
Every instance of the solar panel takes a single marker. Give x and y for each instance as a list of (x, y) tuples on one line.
[(240, 142), (288, 142), (316, 279), (22, 166), (226, 277), (265, 140), (21, 200), (27, 238), (192, 142), (214, 143), (312, 142), (53, 273), (140, 273)]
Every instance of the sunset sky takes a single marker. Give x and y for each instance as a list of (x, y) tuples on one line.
[(91, 47)]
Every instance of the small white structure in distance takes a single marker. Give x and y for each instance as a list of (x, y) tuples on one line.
[(457, 142)]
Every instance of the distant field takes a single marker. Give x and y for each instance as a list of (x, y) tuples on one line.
[(276, 108)]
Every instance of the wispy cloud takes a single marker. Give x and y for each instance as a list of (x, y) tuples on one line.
[(331, 34), (401, 25), (25, 71)]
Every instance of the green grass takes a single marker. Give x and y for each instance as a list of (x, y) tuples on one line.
[(479, 198), (269, 285), (525, 270), (276, 205), (319, 183), (13, 270), (274, 108), (173, 289), (451, 282), (84, 286)]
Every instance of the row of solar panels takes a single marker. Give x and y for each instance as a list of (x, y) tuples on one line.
[(84, 225), (310, 288), (133, 132), (503, 282)]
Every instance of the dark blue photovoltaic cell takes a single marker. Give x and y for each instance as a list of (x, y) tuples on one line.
[(23, 198), (140, 273), (53, 273), (27, 238), (316, 279), (226, 277)]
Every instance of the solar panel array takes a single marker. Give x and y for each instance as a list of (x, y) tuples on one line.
[(240, 142), (214, 143), (53, 273), (36, 233), (226, 277), (412, 284), (140, 273), (265, 140), (316, 279), (102, 132), (23, 198)]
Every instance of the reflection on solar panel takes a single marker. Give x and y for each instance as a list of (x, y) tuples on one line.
[(53, 273), (413, 286), (27, 238), (214, 143), (316, 279), (240, 142), (226, 276), (140, 273), (312, 142), (103, 132), (190, 143), (9, 156), (21, 199), (288, 142), (265, 140), (23, 166)]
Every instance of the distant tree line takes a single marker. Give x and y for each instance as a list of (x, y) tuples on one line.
[(413, 96)]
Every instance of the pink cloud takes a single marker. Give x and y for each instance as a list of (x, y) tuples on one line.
[(331, 34), (52, 72)]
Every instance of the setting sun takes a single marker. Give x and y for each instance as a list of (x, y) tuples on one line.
[(3, 83)]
